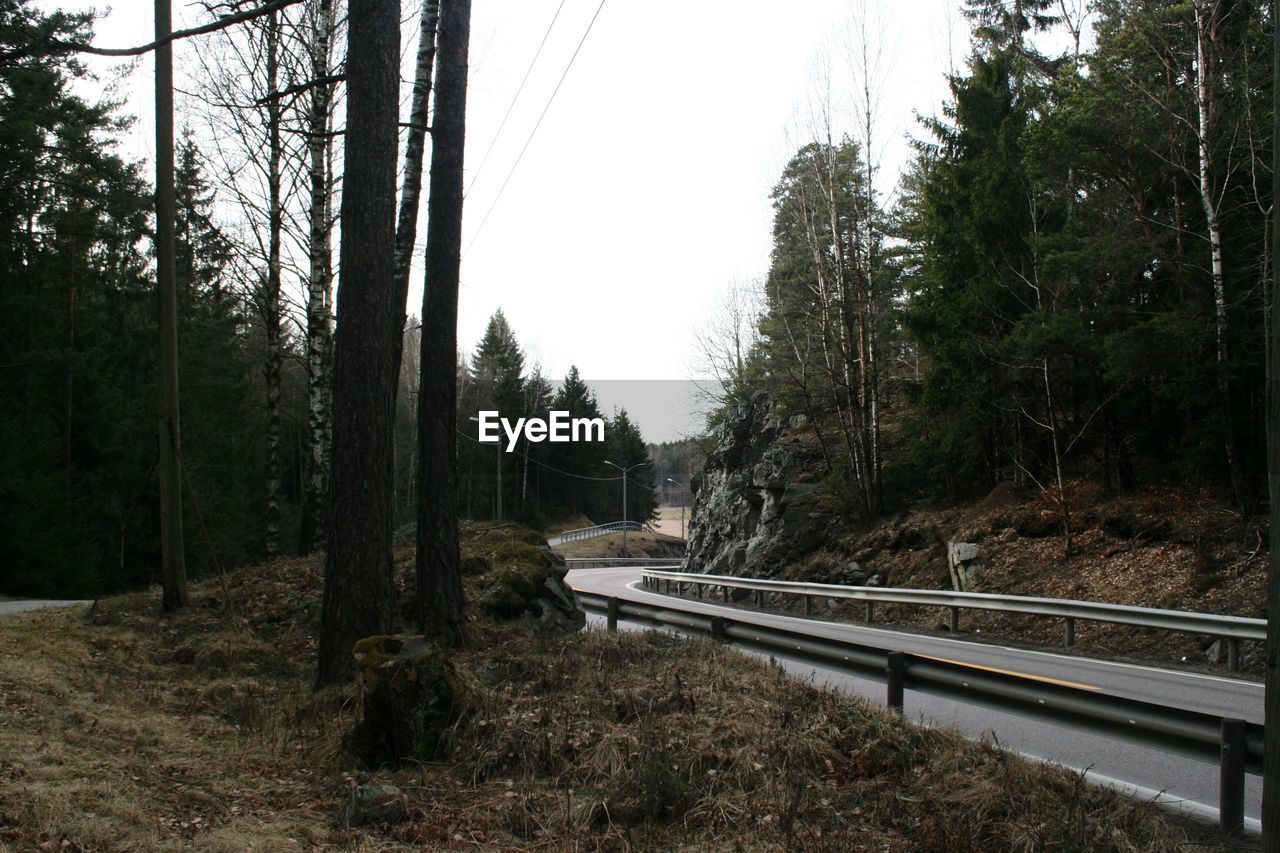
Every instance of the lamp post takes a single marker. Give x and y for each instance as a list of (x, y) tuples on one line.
[(625, 471), (498, 513), (682, 497)]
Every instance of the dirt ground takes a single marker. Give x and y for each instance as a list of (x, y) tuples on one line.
[(124, 729)]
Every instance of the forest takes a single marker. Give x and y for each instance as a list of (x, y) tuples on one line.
[(325, 613), (538, 482), (1071, 280), (254, 235)]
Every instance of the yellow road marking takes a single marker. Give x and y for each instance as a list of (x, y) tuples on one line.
[(1043, 678)]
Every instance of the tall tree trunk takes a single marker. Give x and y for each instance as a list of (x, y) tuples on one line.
[(1271, 721), (411, 180), (271, 298), (358, 586), (415, 146), (439, 593), (1052, 421), (172, 552), (319, 276), (68, 371), (1205, 111)]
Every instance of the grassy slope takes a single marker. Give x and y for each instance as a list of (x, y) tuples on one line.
[(1164, 547), (124, 730)]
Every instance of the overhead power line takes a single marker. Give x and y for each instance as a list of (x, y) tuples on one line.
[(536, 125), (519, 452), (476, 175)]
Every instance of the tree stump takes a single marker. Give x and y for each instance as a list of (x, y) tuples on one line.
[(406, 691)]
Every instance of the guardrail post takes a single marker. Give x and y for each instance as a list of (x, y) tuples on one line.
[(724, 593), (1233, 654), (1069, 636), (1231, 784), (760, 598), (896, 669), (612, 614), (717, 629), (871, 612), (808, 605), (697, 590), (955, 620)]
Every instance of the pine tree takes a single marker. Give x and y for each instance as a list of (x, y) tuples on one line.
[(496, 384), (358, 585), (578, 486), (627, 449), (220, 424)]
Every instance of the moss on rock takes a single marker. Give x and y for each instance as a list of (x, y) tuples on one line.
[(373, 652)]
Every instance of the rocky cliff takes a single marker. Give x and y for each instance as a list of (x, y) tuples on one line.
[(757, 505)]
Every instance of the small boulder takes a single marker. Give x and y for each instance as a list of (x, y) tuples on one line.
[(373, 805), (960, 558)]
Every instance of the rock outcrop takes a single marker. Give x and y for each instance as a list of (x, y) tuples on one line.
[(756, 505), (528, 583)]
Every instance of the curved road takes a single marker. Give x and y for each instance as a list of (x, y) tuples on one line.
[(1187, 784), (23, 605)]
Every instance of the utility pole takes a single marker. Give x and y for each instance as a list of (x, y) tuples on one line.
[(682, 498), (625, 471), (172, 553), (498, 447)]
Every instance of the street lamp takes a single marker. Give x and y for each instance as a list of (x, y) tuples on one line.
[(681, 485), (625, 471), (498, 514)]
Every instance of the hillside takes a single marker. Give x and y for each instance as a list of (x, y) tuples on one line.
[(125, 730), (762, 509)]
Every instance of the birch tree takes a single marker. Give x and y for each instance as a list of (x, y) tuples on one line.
[(241, 85), (320, 25)]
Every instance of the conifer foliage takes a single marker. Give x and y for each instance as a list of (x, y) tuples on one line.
[(538, 481), (1070, 282), (78, 368)]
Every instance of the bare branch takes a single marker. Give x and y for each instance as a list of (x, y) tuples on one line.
[(57, 46)]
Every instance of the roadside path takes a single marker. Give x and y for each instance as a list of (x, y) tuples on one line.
[(23, 605)]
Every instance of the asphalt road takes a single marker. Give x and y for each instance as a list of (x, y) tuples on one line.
[(23, 605), (1185, 783)]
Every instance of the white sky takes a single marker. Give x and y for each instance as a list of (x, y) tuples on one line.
[(646, 190)]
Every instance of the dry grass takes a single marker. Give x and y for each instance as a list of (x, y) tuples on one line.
[(123, 730), (1165, 547), (669, 520), (559, 525)]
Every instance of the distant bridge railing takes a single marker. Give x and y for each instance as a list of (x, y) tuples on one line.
[(671, 563), (1232, 629), (599, 530)]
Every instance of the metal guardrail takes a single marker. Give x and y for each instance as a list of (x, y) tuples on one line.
[(1233, 629), (1234, 744), (600, 530)]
